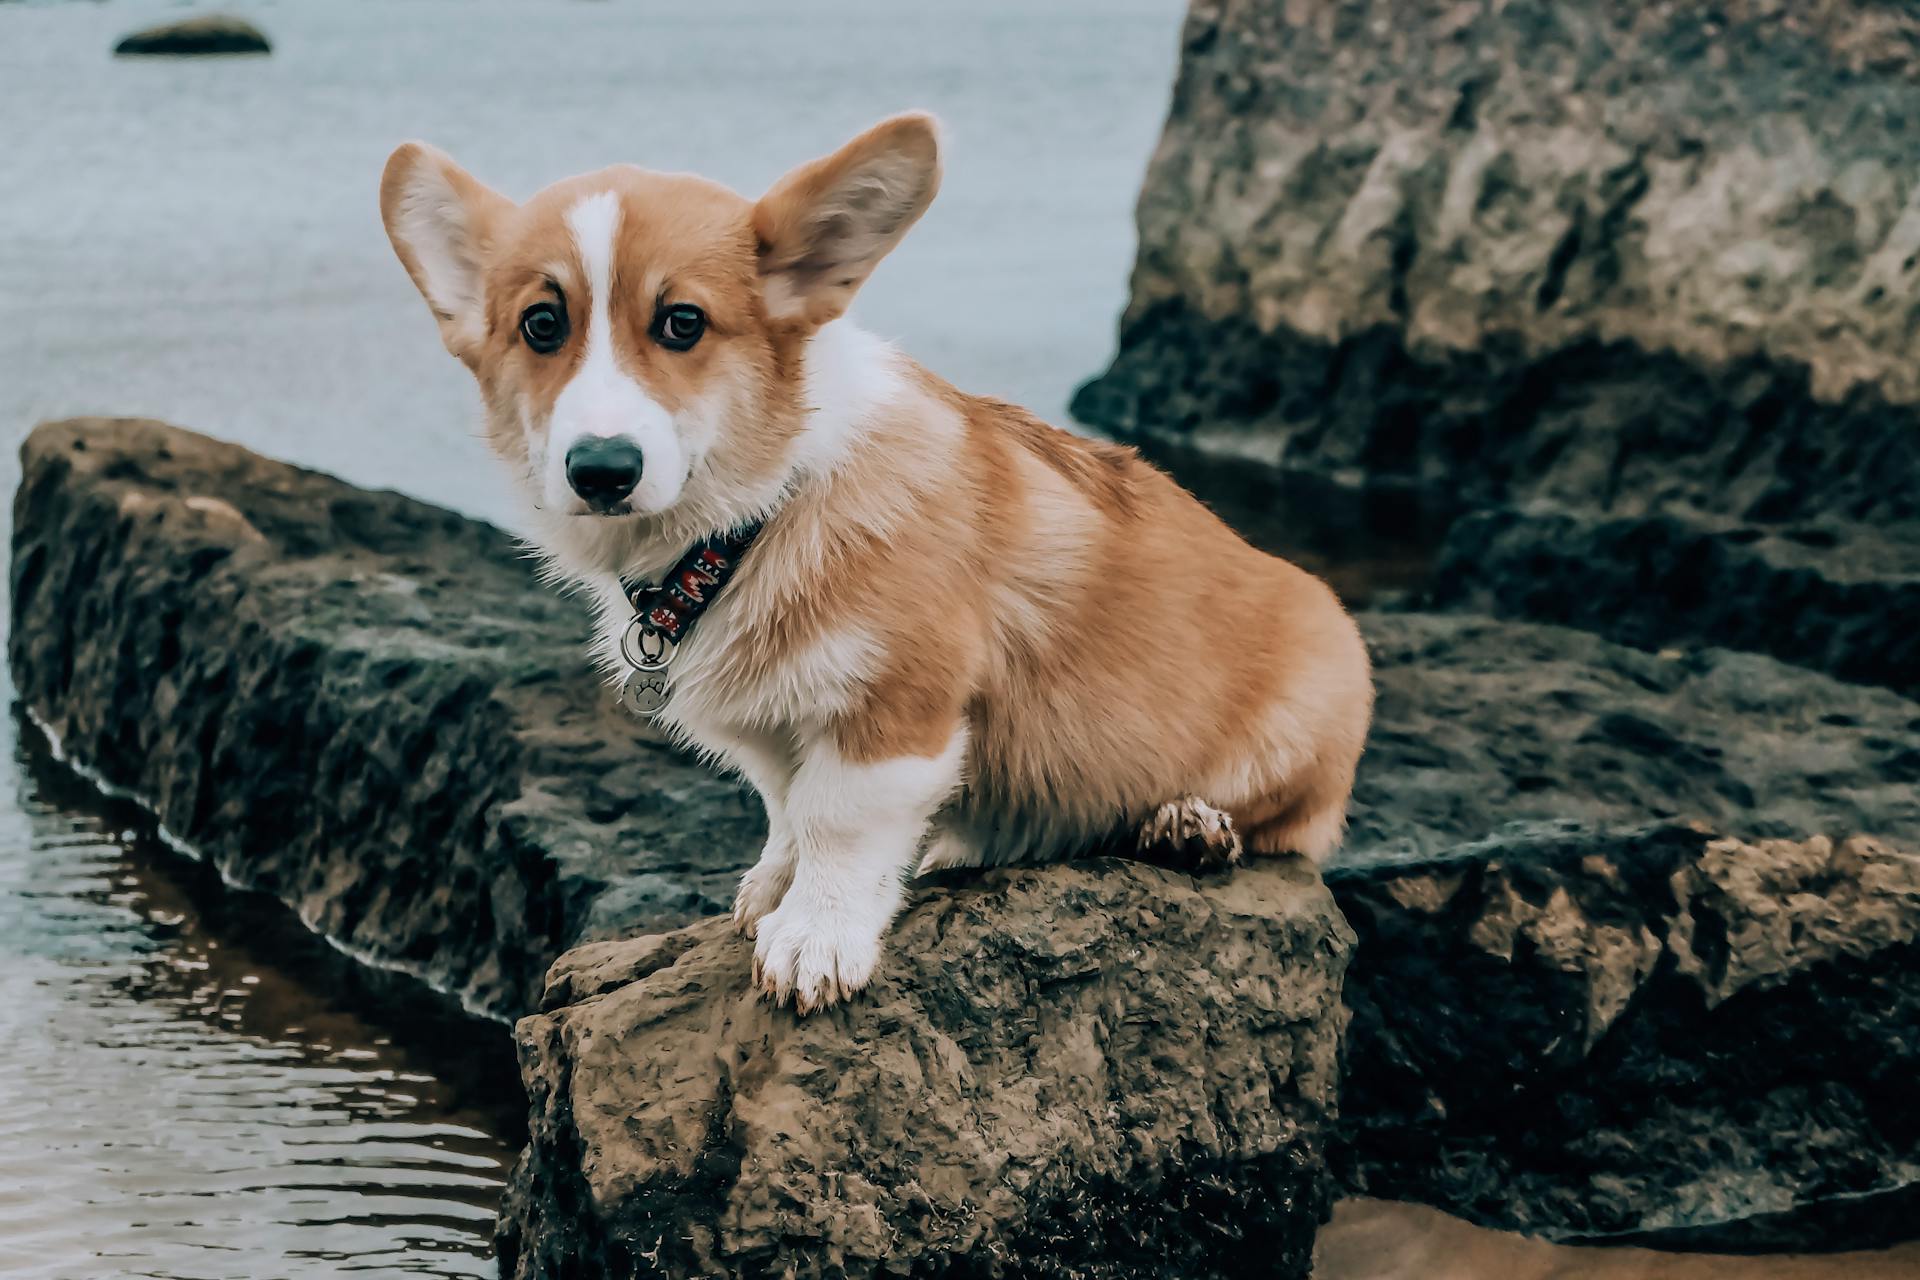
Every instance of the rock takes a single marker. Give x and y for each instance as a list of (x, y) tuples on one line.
[(210, 33), (1380, 1240), (370, 708), (1099, 1069), (1610, 254), (1585, 1033), (362, 704), (1482, 723), (1836, 597)]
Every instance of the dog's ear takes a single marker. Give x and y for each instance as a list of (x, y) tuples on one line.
[(440, 219), (825, 226)]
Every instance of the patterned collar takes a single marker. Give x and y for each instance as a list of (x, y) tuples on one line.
[(672, 607), (663, 614)]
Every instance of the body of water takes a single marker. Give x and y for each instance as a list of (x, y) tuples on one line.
[(194, 1087)]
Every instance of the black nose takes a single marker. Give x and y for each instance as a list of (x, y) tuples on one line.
[(603, 469)]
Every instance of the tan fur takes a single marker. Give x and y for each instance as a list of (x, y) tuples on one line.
[(935, 568), (1162, 646)]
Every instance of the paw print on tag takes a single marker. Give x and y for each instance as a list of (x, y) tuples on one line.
[(644, 693)]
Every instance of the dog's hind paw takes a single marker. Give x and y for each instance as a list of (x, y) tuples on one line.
[(1189, 835)]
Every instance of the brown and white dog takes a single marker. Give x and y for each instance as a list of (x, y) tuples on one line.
[(962, 636)]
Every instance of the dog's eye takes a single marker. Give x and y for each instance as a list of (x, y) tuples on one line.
[(544, 326), (679, 326)]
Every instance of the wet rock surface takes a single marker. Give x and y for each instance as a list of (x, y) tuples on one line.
[(1482, 723), (209, 34), (1662, 1031), (1605, 253), (1837, 597), (1382, 1240), (1099, 1069), (370, 707), (363, 704), (1630, 286)]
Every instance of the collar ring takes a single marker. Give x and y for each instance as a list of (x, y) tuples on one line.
[(645, 647)]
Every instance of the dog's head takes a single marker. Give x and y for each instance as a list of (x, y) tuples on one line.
[(639, 337)]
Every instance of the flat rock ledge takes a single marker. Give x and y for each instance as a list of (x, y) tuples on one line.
[(362, 704), (1094, 1070), (1677, 1001), (1836, 597)]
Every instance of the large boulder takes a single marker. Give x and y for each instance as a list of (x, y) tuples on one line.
[(1604, 251), (365, 705), (1690, 1037), (371, 708), (1092, 1070)]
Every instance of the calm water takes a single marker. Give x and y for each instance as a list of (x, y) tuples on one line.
[(190, 1087), (199, 239)]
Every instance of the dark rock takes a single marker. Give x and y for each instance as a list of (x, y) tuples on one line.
[(209, 34), (1100, 1069), (1482, 723), (1581, 1033), (362, 704), (1840, 598), (1610, 254), (369, 707)]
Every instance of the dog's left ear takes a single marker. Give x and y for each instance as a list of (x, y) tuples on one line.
[(825, 226)]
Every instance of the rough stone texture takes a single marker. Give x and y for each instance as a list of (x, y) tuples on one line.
[(208, 34), (1094, 1070), (1607, 252), (1585, 1033), (363, 704), (1840, 598), (1481, 723), (1650, 260), (369, 707)]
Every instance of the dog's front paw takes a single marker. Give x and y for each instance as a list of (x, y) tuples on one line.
[(813, 958), (760, 891)]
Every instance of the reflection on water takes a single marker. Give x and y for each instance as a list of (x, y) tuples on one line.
[(1371, 544), (192, 1086)]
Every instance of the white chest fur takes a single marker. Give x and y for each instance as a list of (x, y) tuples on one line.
[(723, 685)]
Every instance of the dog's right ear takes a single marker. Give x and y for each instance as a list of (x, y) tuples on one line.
[(441, 219)]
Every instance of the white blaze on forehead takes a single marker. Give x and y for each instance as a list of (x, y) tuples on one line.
[(595, 221), (602, 399)]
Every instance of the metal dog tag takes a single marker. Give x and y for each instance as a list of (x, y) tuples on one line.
[(644, 692)]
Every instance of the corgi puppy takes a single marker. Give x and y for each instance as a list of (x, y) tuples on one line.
[(930, 630)]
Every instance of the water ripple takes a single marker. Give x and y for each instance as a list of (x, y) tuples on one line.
[(193, 1088)]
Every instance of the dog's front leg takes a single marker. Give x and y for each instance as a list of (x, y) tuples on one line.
[(855, 827), (768, 762)]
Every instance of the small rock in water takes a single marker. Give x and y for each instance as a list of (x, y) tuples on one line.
[(212, 33)]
